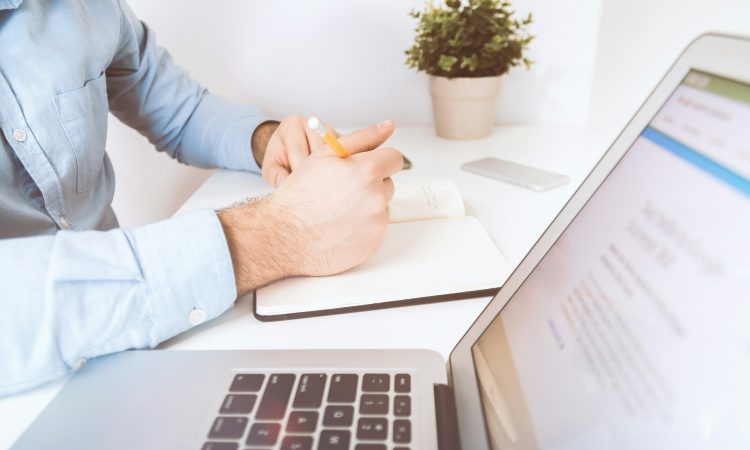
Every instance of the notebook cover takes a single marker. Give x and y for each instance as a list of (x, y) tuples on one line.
[(378, 305)]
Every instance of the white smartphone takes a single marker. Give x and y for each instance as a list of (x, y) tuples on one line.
[(514, 173)]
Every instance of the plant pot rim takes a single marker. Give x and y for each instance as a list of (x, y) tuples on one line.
[(466, 88), (465, 78)]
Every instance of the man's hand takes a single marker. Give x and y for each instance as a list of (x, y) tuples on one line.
[(326, 217), (279, 148)]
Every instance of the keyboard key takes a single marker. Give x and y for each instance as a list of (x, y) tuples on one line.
[(238, 404), (263, 434), (376, 382), (403, 383), (310, 390), (370, 447), (275, 397), (297, 443), (373, 404), (245, 382), (375, 428), (334, 440), (338, 416), (343, 388), (220, 446), (401, 431), (228, 428), (402, 406), (302, 421)]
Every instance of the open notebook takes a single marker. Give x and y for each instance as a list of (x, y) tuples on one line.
[(430, 252)]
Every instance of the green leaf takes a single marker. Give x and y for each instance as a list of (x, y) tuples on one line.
[(446, 62), (469, 62), (476, 38)]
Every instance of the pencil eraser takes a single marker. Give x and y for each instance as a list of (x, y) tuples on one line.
[(317, 126)]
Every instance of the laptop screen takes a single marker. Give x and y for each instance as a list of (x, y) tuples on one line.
[(634, 329)]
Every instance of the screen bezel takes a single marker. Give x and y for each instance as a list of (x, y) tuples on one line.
[(715, 54)]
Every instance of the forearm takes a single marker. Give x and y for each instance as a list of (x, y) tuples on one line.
[(150, 93), (261, 239), (78, 295), (224, 135)]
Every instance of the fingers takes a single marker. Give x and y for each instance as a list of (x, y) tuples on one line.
[(389, 188), (368, 138), (297, 148), (315, 141), (381, 163), (274, 174), (296, 140), (286, 150)]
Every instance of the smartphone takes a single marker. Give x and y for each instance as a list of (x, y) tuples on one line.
[(514, 173)]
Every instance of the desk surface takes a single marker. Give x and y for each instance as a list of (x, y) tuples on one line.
[(514, 218)]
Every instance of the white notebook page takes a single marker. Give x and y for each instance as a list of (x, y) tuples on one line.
[(415, 259), (429, 198)]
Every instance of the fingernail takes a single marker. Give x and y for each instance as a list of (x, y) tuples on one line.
[(384, 124)]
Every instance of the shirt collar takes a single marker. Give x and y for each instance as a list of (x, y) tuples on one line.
[(10, 4)]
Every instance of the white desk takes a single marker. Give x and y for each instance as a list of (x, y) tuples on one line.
[(513, 216)]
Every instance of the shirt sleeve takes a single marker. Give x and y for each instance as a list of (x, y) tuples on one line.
[(77, 295), (148, 92)]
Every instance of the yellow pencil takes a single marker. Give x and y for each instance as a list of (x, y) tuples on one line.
[(318, 127)]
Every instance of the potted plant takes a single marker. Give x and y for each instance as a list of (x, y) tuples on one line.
[(465, 49)]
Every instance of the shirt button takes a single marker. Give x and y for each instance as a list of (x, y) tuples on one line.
[(19, 135), (196, 316), (78, 363), (64, 222)]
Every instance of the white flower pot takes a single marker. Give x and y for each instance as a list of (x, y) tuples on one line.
[(464, 108)]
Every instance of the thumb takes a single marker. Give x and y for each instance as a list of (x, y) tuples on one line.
[(369, 138)]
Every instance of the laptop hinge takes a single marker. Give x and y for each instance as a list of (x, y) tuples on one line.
[(447, 419)]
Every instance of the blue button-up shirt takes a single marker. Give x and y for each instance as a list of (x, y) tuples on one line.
[(72, 284)]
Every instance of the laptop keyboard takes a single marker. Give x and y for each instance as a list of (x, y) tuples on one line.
[(314, 411)]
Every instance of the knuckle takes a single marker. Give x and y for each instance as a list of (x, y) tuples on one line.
[(400, 158), (370, 170), (378, 207), (394, 155), (389, 191)]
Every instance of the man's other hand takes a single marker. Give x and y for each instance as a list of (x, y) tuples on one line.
[(326, 217), (279, 148)]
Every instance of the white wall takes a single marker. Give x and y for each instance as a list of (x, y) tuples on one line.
[(343, 60), (340, 59), (639, 41)]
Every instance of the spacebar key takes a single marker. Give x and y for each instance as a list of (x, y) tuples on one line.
[(276, 396)]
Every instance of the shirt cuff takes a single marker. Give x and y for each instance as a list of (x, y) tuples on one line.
[(225, 129), (188, 270)]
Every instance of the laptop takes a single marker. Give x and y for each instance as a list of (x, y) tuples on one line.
[(626, 325)]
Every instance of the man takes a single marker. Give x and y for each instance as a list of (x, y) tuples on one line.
[(73, 285)]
